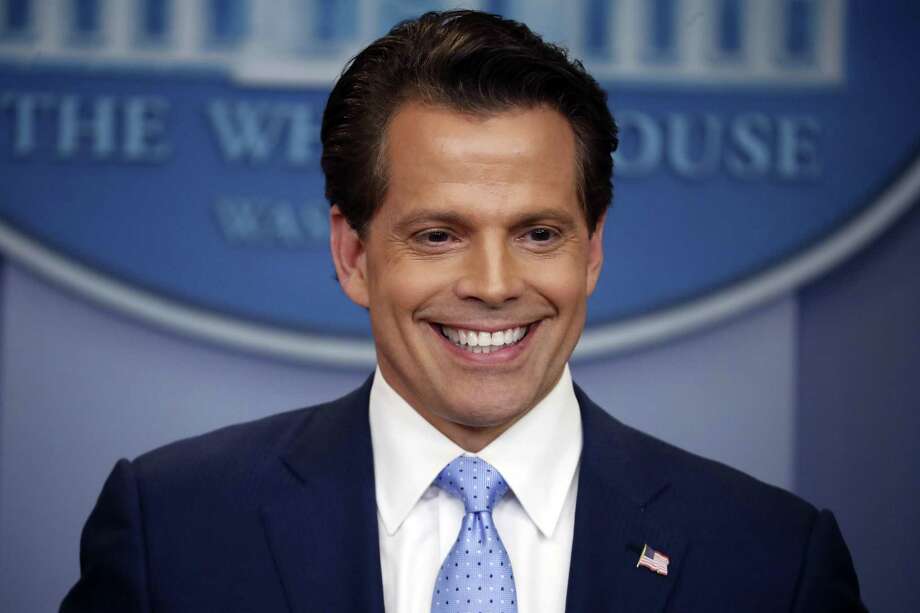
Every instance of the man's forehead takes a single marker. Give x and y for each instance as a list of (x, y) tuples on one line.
[(492, 135), (428, 144)]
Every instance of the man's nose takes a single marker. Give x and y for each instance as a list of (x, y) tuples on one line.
[(492, 274)]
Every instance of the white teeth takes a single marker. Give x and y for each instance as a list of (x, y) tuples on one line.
[(484, 342)]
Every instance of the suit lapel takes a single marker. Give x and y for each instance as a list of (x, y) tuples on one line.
[(322, 530), (616, 487)]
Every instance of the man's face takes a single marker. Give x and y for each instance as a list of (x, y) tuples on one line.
[(477, 265)]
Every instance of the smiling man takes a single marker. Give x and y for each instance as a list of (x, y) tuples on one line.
[(477, 266), (468, 168)]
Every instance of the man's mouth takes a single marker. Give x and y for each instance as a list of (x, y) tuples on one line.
[(480, 341)]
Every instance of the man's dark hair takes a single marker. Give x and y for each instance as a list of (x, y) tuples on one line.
[(471, 62)]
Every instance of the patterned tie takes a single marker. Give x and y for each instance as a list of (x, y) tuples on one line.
[(476, 574)]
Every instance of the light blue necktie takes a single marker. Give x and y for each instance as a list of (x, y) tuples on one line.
[(476, 574)]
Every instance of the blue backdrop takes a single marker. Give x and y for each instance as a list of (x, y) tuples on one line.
[(166, 273)]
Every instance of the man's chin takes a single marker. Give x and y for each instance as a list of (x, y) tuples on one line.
[(486, 417)]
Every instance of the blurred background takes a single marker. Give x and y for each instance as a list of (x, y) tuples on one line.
[(164, 244)]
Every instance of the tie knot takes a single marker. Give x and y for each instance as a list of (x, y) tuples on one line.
[(473, 481)]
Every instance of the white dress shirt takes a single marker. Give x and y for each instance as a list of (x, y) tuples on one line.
[(418, 523)]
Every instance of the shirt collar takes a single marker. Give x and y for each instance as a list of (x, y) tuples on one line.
[(537, 456), (408, 453)]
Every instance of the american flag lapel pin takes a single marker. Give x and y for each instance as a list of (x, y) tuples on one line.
[(653, 560)]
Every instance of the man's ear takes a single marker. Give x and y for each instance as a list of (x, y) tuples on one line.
[(350, 257), (596, 253)]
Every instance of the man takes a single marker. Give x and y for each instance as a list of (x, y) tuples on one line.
[(468, 165)]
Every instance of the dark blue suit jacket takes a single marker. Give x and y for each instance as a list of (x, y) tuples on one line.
[(280, 515)]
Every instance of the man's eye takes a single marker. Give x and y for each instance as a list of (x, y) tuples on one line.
[(435, 236), (541, 235)]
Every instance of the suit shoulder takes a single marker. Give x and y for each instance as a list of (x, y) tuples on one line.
[(763, 547), (234, 452), (712, 483), (698, 490), (240, 441)]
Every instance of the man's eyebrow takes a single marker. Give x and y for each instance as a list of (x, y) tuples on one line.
[(429, 216), (453, 218), (548, 215)]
